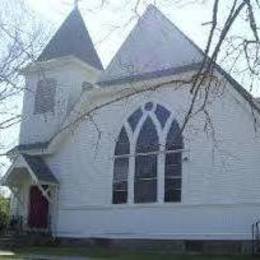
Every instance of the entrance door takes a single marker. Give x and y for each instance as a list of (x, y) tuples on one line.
[(38, 209)]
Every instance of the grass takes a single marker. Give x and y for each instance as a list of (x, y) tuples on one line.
[(103, 253)]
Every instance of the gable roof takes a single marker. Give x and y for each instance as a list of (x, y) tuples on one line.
[(72, 38), (40, 168), (155, 44), (34, 165), (157, 48)]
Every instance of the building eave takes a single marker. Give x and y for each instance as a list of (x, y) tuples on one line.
[(57, 62), (150, 75), (33, 148)]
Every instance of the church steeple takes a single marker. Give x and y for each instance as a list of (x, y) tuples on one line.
[(72, 38), (76, 2)]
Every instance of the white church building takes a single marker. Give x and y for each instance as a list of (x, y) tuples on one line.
[(101, 154)]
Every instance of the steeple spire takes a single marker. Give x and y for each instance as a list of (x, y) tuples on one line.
[(76, 3), (72, 38)]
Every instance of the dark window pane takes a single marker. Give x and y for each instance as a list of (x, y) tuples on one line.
[(120, 186), (120, 180), (148, 138), (145, 188), (45, 96), (145, 191), (173, 158), (172, 184), (162, 115), (122, 144), (173, 170), (148, 106), (174, 138), (119, 197), (172, 196), (121, 169), (146, 166), (173, 163), (134, 119)]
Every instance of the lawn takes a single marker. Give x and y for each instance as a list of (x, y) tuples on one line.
[(102, 253)]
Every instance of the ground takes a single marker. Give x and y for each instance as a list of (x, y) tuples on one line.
[(102, 253)]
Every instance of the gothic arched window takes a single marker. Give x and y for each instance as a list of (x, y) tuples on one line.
[(121, 165), (146, 126)]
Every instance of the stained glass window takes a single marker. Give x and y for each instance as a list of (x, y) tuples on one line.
[(162, 115), (134, 119)]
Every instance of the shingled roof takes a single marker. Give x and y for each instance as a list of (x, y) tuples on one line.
[(72, 38), (40, 168)]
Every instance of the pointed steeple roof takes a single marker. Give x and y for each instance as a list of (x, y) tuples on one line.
[(155, 44), (72, 38)]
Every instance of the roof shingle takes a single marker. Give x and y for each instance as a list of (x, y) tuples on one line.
[(72, 38), (40, 168)]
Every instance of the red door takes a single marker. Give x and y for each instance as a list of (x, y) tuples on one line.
[(38, 210)]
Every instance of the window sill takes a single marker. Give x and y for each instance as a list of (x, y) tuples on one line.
[(146, 205), (166, 205)]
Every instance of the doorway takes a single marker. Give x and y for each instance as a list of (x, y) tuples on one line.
[(38, 209)]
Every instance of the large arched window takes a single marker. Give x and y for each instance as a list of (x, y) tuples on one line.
[(151, 160)]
